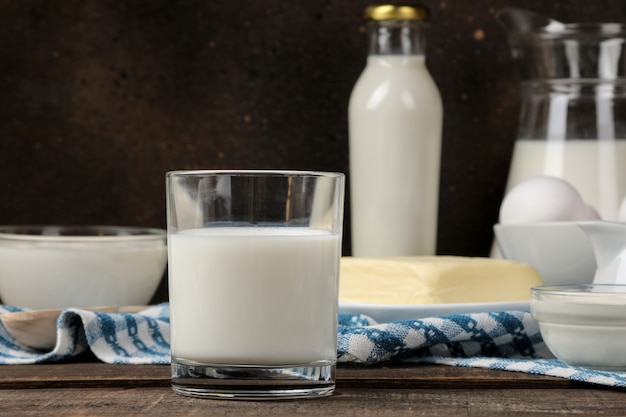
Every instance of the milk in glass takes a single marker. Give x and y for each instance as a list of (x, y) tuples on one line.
[(395, 131), (283, 280), (596, 168)]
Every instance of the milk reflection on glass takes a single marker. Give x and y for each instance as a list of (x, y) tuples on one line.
[(253, 269)]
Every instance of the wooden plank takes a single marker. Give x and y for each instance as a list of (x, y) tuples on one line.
[(440, 376), (96, 374), (83, 375), (161, 401)]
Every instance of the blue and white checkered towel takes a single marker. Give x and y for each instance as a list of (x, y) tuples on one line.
[(505, 341), (139, 338), (508, 341)]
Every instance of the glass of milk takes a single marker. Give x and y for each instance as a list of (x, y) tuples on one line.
[(253, 280)]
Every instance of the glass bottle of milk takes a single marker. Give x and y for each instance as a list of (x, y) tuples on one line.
[(395, 122)]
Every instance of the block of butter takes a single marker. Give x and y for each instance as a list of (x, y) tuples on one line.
[(434, 280)]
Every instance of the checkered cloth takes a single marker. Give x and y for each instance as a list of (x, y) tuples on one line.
[(507, 341), (138, 338)]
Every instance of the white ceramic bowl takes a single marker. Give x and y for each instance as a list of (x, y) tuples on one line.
[(45, 267), (561, 252), (583, 325)]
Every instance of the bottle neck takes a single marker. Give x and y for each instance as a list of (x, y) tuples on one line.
[(396, 37)]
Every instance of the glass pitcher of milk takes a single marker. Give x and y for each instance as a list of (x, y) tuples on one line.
[(573, 111)]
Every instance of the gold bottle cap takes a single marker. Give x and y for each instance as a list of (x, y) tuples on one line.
[(397, 12)]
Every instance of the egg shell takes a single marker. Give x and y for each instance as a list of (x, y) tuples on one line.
[(542, 199), (590, 213)]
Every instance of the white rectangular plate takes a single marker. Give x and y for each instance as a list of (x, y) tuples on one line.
[(385, 313)]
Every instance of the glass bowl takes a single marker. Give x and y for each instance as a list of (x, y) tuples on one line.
[(45, 267), (583, 325)]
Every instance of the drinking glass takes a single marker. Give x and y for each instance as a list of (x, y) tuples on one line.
[(253, 280)]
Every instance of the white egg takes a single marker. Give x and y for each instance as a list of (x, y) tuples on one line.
[(542, 199), (590, 213)]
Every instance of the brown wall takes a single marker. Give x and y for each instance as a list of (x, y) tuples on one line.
[(98, 99)]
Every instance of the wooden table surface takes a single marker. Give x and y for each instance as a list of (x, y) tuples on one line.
[(97, 389)]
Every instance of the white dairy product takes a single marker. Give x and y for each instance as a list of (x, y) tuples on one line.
[(587, 334), (434, 280), (395, 118), (596, 168), (254, 296), (44, 276)]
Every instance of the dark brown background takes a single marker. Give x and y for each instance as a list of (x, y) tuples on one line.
[(98, 99)]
